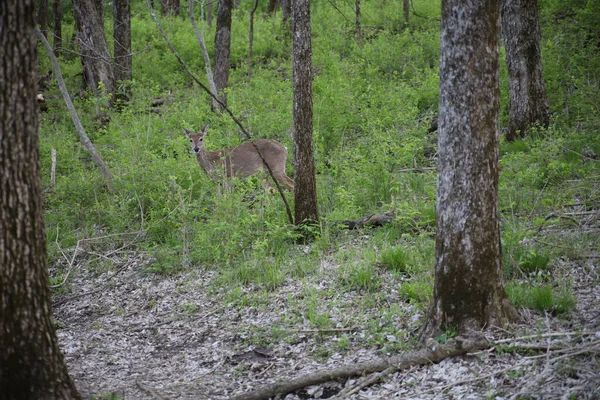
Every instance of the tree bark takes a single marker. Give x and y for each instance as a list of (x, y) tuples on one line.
[(122, 34), (272, 6), (406, 9), (305, 191), (222, 46), (468, 292), (286, 12), (31, 364), (57, 11), (357, 24), (251, 38), (42, 14), (95, 57), (526, 88)]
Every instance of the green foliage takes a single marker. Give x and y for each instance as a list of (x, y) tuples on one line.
[(373, 105), (542, 297)]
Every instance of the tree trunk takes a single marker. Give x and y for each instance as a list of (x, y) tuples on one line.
[(469, 292), (251, 38), (406, 9), (305, 191), (286, 12), (122, 33), (272, 6), (357, 24), (222, 45), (526, 88), (31, 364), (209, 14), (170, 7), (57, 11), (42, 14), (95, 57)]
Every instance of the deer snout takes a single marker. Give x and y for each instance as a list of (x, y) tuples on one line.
[(196, 149)]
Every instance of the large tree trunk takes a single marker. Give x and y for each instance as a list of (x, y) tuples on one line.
[(93, 46), (527, 91), (31, 365), (469, 292), (122, 33), (42, 14), (57, 11), (222, 45), (305, 191)]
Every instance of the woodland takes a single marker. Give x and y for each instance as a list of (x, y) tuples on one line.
[(168, 283)]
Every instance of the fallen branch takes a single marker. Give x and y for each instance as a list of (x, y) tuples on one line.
[(432, 353), (371, 220)]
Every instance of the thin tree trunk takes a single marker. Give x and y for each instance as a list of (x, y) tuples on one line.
[(85, 140), (222, 46), (122, 34), (305, 191), (286, 12), (272, 6), (209, 13), (43, 17), (405, 7), (57, 11), (358, 31), (31, 364), (251, 38), (95, 57), (526, 88), (468, 292), (204, 51)]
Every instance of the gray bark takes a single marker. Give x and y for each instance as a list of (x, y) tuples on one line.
[(222, 46), (305, 192), (526, 88), (31, 364), (468, 291)]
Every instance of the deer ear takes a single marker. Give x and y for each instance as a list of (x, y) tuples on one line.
[(203, 130), (187, 132)]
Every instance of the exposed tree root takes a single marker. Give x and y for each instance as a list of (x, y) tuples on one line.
[(432, 353)]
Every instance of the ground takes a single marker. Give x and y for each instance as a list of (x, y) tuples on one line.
[(133, 335)]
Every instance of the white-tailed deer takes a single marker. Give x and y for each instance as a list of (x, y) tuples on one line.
[(241, 161)]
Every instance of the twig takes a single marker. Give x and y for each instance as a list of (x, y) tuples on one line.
[(323, 330), (149, 391), (545, 335), (366, 382)]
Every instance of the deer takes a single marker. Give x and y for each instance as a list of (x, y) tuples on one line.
[(241, 161)]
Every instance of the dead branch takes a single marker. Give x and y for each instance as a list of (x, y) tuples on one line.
[(371, 220), (200, 38), (85, 140), (432, 353)]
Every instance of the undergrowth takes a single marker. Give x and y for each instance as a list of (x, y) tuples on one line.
[(373, 105)]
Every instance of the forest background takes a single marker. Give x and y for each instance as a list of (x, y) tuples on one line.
[(374, 103)]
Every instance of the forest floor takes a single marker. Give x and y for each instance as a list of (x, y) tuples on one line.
[(128, 334)]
